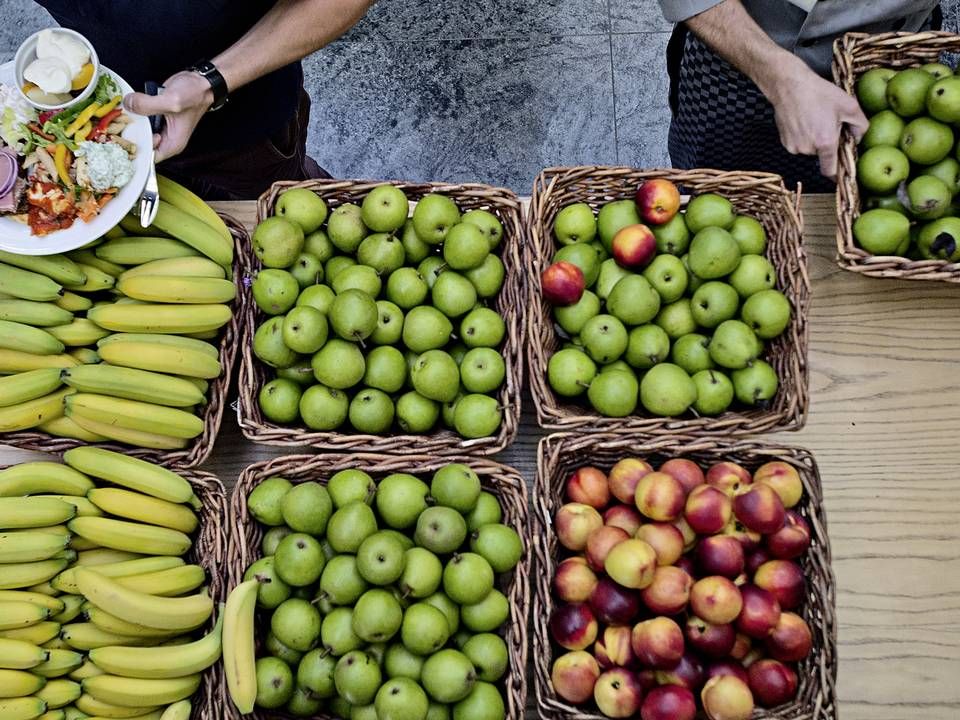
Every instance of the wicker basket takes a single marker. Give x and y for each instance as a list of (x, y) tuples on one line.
[(209, 551), (199, 449), (853, 55), (558, 455), (506, 483), (758, 194), (253, 374)]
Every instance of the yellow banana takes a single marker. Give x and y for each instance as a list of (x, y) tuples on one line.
[(112, 624), (132, 384), (195, 233), (160, 317), (56, 643), (78, 333), (18, 683), (209, 335), (130, 224), (178, 711), (87, 669), (135, 415), (58, 529), (30, 385), (58, 663), (162, 613), (179, 341), (166, 583), (96, 281), (84, 355), (87, 636), (239, 651), (20, 655), (24, 575), (54, 605), (57, 714), (82, 544), (72, 606), (59, 692), (144, 508), (14, 361), (182, 198), (17, 614), (84, 507), (106, 556), (181, 267), (22, 708), (180, 290), (130, 472), (25, 338), (31, 413), (27, 285), (95, 708), (88, 256), (38, 314), (131, 536), (65, 427), (142, 250), (162, 358), (33, 478), (35, 634), (30, 547), (34, 512), (44, 588), (137, 438), (73, 302), (56, 267), (137, 692), (67, 581)]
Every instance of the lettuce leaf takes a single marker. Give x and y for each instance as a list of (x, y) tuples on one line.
[(12, 132)]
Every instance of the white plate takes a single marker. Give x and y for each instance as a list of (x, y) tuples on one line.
[(15, 237)]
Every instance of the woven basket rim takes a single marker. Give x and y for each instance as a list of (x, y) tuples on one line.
[(816, 698), (253, 374), (597, 184), (853, 54)]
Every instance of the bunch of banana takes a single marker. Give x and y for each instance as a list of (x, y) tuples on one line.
[(111, 630), (130, 320)]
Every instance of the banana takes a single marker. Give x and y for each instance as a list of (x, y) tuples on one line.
[(33, 512), (204, 335), (22, 708), (35, 634), (87, 636), (79, 333), (82, 544), (161, 613), (135, 537), (98, 709), (30, 547), (30, 385), (106, 556), (112, 624), (136, 438), (180, 290), (162, 662), (44, 588), (17, 683), (137, 692), (160, 317), (25, 338), (57, 663), (195, 233), (56, 643), (72, 607), (58, 529), (135, 415), (17, 614), (96, 280), (178, 711), (166, 583), (20, 655), (143, 250), (67, 428), (181, 267), (199, 383), (55, 605), (182, 198), (239, 651), (31, 413), (130, 224), (132, 384), (27, 285), (40, 477), (59, 692), (159, 357), (146, 509), (14, 361), (88, 256), (130, 472), (67, 582), (87, 669), (84, 355), (84, 507), (73, 302), (24, 575), (38, 314), (57, 714), (59, 268), (179, 341)]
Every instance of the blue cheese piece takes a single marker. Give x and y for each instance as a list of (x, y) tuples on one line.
[(107, 165)]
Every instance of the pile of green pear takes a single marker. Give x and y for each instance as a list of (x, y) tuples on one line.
[(908, 171), (376, 320), (378, 600), (687, 332)]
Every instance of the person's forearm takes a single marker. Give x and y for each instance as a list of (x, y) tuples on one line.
[(291, 30)]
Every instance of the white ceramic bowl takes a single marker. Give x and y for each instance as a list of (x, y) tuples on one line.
[(27, 53)]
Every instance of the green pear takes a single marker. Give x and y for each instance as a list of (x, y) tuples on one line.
[(399, 662), (380, 559), (907, 91), (734, 345), (767, 313), (426, 328), (341, 581), (613, 217), (453, 294), (667, 390), (406, 288), (929, 197), (350, 525), (357, 677), (499, 544), (672, 237), (467, 578), (323, 408), (714, 392), (676, 319), (948, 171), (614, 394), (389, 324), (440, 530), (489, 225), (307, 269), (415, 250), (319, 297), (488, 614), (647, 345), (477, 416), (668, 277), (268, 344), (377, 615), (633, 301), (272, 590), (277, 241), (318, 244), (572, 318), (275, 291), (749, 234), (339, 364), (422, 573), (296, 623), (484, 702), (486, 512), (302, 206), (482, 370), (436, 376), (709, 210), (465, 247), (371, 411), (753, 274), (925, 141), (384, 210), (885, 128), (881, 169), (385, 369), (433, 217), (305, 329), (605, 337), (381, 251), (482, 327), (357, 277), (448, 676), (713, 253), (457, 486), (278, 650), (351, 485), (943, 99), (872, 89), (690, 353), (570, 372), (715, 301), (274, 682), (584, 257), (307, 507), (575, 224), (279, 400), (881, 232), (940, 239), (336, 632), (315, 673), (610, 274), (415, 413), (400, 499), (424, 629), (401, 699), (755, 384), (272, 538), (346, 229), (488, 653), (303, 703), (488, 277), (299, 561), (353, 315)]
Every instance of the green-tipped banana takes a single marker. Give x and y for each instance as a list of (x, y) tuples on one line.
[(84, 507), (178, 711), (136, 692), (197, 234), (144, 508), (136, 438), (130, 472), (58, 268), (30, 385), (180, 197), (201, 346), (180, 290), (58, 663), (135, 537), (16, 614), (20, 655), (133, 384), (166, 583), (239, 651), (14, 361), (112, 624), (59, 692), (30, 547), (25, 575), (22, 708), (27, 285), (17, 683), (96, 281), (84, 355), (67, 582), (95, 708), (160, 317), (31, 413), (38, 314), (35, 634), (65, 427), (33, 512), (72, 607), (54, 605), (181, 267), (163, 358), (43, 478), (79, 333), (87, 256), (73, 302), (135, 415), (84, 637), (87, 669), (143, 250), (25, 338), (106, 556)]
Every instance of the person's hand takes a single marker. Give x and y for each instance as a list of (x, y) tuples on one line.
[(810, 113), (185, 99)]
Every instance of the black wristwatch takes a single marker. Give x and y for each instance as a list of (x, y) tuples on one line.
[(209, 71)]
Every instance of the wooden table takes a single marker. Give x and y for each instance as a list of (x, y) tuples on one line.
[(885, 427)]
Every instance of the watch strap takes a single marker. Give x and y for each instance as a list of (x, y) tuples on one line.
[(208, 70)]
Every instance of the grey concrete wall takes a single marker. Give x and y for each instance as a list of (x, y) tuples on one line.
[(484, 90)]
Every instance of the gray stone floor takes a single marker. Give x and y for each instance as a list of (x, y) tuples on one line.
[(481, 90)]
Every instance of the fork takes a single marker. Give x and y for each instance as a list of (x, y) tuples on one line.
[(150, 197)]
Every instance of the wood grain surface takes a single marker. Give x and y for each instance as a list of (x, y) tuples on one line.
[(885, 428)]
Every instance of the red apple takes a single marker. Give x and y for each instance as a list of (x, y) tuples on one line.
[(573, 676), (772, 683), (658, 200), (715, 641), (669, 702), (574, 581), (791, 640), (631, 563), (588, 485), (687, 673), (790, 541), (573, 626), (784, 579), (754, 559), (614, 647), (601, 541), (741, 647), (728, 476), (658, 643), (660, 496), (664, 538), (623, 516), (716, 599), (617, 693), (669, 592), (783, 478), (686, 471), (760, 613), (708, 509), (634, 246), (759, 508), (689, 534), (726, 698), (719, 668), (719, 555), (624, 477), (574, 523), (614, 604), (562, 283)]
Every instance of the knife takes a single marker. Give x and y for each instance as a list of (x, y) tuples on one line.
[(150, 197)]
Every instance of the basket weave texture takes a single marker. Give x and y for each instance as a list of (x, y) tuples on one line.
[(559, 454), (245, 534), (510, 304), (853, 55), (760, 195), (197, 450)]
